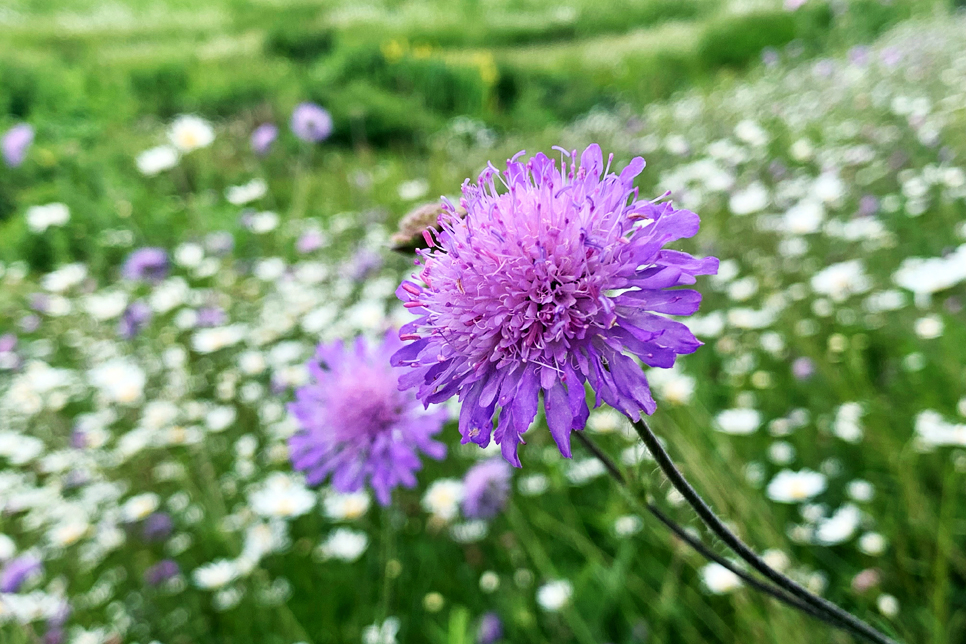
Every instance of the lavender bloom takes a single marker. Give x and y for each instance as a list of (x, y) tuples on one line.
[(135, 318), (490, 629), (150, 264), (544, 288), (8, 352), (311, 123), (356, 424), (219, 243), (16, 571), (157, 526), (263, 137), (486, 487), (15, 144), (161, 572)]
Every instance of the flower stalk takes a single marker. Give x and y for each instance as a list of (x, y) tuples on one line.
[(836, 616)]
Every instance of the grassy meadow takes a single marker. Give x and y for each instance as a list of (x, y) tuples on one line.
[(144, 462)]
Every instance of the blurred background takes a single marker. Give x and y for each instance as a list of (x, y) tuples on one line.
[(266, 150)]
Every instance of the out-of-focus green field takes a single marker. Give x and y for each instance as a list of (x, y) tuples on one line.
[(823, 147)]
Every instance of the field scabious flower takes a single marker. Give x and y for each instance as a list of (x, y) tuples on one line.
[(485, 489), (355, 423), (311, 123), (544, 287), (150, 264), (15, 143)]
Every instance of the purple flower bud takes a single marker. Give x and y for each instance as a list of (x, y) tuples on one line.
[(311, 123), (486, 487), (157, 527), (161, 572), (15, 144), (149, 264), (803, 368), (16, 571), (135, 318), (263, 137), (490, 629)]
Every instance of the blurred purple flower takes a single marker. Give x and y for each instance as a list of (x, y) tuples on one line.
[(220, 242), (486, 487), (310, 241), (364, 263), (803, 368), (135, 318), (356, 425), (770, 56), (157, 526), (149, 264), (38, 302), (209, 316), (263, 137), (8, 352), (490, 629), (868, 206), (30, 323), (161, 572), (890, 56), (859, 55), (16, 571), (55, 635), (15, 143), (311, 123), (546, 287)]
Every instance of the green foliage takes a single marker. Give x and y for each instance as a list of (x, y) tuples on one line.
[(736, 41)]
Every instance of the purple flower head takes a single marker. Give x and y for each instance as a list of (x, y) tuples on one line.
[(161, 572), (157, 526), (311, 240), (16, 571), (770, 56), (219, 243), (209, 316), (8, 343), (135, 318), (357, 425), (868, 206), (311, 123), (364, 263), (486, 487), (544, 287), (30, 323), (803, 368), (263, 137), (490, 629), (150, 264), (15, 143)]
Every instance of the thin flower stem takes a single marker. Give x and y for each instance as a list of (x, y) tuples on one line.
[(848, 621), (698, 546)]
